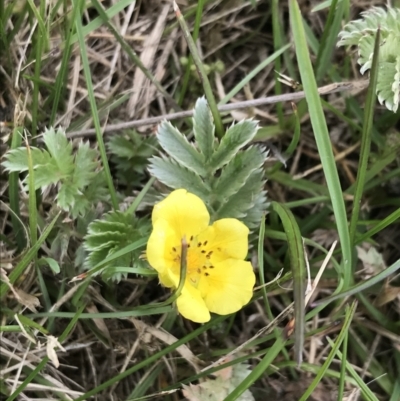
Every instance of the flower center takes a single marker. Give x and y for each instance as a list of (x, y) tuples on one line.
[(198, 260)]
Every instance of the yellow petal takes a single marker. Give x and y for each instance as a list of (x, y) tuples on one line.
[(169, 279), (227, 238), (191, 305), (186, 213), (228, 286), (159, 246)]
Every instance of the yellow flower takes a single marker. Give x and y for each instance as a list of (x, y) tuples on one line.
[(218, 279)]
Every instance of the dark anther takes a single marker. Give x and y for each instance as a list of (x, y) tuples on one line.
[(205, 243), (206, 274), (203, 251), (174, 249), (191, 238), (199, 245)]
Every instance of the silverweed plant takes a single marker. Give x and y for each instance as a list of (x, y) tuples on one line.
[(225, 174), (362, 33)]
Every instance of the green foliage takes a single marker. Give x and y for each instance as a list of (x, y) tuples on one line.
[(361, 33), (111, 233), (78, 175), (130, 153), (228, 177)]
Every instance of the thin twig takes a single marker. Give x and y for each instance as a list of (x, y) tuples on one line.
[(289, 97)]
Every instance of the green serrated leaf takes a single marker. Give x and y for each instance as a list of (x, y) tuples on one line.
[(60, 149), (388, 85), (204, 128), (178, 147), (240, 203), (235, 138), (362, 33), (16, 160), (238, 170), (175, 176), (109, 235), (86, 159)]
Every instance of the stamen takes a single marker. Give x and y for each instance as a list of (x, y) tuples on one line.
[(206, 274), (191, 238), (211, 267), (203, 251), (198, 270), (205, 243), (174, 249), (199, 245)]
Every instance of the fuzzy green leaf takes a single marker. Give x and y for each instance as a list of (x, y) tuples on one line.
[(204, 128), (73, 174), (16, 160), (237, 171), (86, 159), (178, 147), (235, 138), (60, 149), (175, 176), (388, 85), (130, 153), (246, 198), (362, 33), (109, 235)]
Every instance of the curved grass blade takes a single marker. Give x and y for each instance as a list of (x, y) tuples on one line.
[(369, 395), (258, 370), (346, 325), (363, 285), (298, 265), (322, 138), (152, 358), (93, 106), (29, 256), (202, 72), (365, 140), (17, 225)]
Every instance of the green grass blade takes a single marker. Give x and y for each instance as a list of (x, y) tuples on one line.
[(153, 358), (32, 199), (40, 44), (28, 257), (219, 128), (278, 43), (60, 86), (329, 38), (322, 138), (195, 35), (98, 21), (367, 393), (346, 325), (362, 285), (252, 74), (298, 266), (13, 178), (132, 208), (93, 106), (259, 370), (365, 140)]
